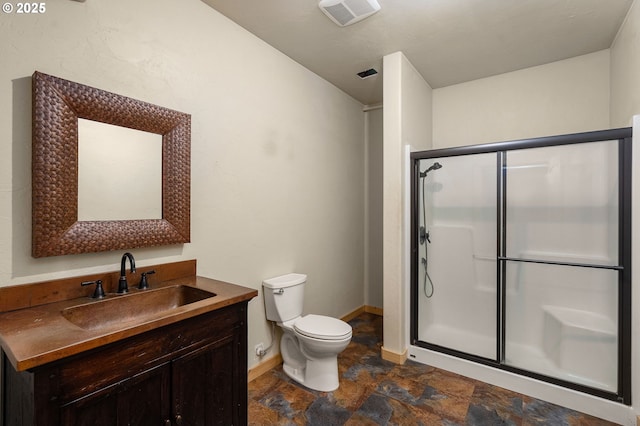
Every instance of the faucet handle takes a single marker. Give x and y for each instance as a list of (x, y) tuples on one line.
[(143, 280), (99, 291)]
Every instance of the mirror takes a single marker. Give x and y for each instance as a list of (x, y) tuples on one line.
[(58, 164), (119, 173)]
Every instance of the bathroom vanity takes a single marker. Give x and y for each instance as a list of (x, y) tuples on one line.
[(181, 363)]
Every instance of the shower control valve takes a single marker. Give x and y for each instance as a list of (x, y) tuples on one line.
[(424, 235)]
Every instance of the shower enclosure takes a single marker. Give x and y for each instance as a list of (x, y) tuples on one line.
[(521, 258)]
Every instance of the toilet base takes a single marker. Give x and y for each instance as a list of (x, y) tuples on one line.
[(318, 374), (311, 362)]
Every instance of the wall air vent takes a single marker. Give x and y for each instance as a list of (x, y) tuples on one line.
[(347, 12)]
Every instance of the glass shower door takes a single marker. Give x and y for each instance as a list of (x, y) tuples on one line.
[(456, 266), (561, 259), (521, 258)]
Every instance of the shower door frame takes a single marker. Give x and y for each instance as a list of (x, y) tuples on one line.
[(623, 267)]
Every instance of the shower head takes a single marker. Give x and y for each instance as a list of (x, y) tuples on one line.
[(434, 166)]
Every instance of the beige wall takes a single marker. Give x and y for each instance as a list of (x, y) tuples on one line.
[(625, 70), (407, 121), (373, 209), (277, 152), (562, 97)]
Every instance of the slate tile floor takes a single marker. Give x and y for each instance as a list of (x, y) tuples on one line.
[(376, 392)]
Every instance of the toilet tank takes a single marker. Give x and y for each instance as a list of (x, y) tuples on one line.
[(284, 296)]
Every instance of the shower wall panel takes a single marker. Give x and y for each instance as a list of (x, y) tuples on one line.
[(562, 203)]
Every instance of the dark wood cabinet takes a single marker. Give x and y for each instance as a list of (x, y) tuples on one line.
[(193, 372)]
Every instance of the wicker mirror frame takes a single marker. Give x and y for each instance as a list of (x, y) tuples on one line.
[(57, 105)]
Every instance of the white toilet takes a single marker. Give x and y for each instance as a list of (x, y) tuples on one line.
[(310, 344)]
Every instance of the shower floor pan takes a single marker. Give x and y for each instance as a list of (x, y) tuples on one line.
[(526, 357)]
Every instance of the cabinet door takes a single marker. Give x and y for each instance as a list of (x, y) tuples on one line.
[(145, 399), (140, 401), (205, 386)]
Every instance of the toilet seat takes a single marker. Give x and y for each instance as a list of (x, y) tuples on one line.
[(322, 327)]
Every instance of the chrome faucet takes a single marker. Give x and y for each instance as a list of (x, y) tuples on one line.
[(123, 287)]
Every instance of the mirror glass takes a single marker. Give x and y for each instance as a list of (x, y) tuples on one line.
[(119, 173)]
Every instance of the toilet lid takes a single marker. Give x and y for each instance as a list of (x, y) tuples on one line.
[(322, 327)]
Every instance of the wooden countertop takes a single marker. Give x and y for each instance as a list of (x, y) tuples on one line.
[(37, 335)]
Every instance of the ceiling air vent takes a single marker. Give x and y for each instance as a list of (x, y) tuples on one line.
[(347, 12), (367, 73)]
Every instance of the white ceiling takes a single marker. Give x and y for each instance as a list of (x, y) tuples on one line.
[(448, 41)]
